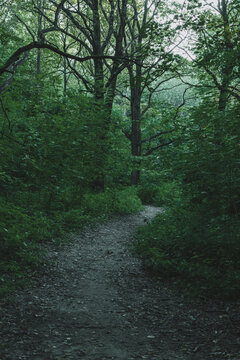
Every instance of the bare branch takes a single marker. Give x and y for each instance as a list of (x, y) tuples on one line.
[(26, 26), (11, 71), (157, 135), (150, 151), (123, 95), (127, 134), (151, 92), (79, 76), (7, 117)]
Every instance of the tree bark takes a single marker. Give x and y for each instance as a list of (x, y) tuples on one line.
[(228, 66), (65, 67), (40, 18), (136, 136), (97, 183)]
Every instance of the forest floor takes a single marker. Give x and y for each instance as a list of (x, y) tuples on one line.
[(96, 302)]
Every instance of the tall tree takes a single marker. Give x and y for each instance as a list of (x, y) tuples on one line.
[(147, 75), (216, 48)]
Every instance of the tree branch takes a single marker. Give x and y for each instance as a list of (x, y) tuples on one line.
[(11, 71), (36, 45), (7, 117), (150, 151), (157, 135), (128, 136), (152, 92), (79, 76), (26, 26)]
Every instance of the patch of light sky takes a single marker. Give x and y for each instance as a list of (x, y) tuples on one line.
[(185, 40), (207, 2)]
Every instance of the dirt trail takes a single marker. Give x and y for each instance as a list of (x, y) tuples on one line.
[(97, 303)]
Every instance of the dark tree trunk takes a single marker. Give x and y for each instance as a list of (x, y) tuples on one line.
[(136, 136), (137, 28), (64, 76), (104, 101), (65, 67), (97, 183), (97, 51), (112, 82), (136, 149), (40, 18)]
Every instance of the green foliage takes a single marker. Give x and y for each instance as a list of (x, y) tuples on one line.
[(20, 251), (126, 201), (162, 194), (97, 204), (112, 202), (18, 227), (100, 206), (201, 252), (197, 239), (76, 219)]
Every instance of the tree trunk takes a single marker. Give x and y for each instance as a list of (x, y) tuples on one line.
[(136, 136), (136, 148), (65, 67), (97, 51), (100, 125), (112, 82), (39, 3)]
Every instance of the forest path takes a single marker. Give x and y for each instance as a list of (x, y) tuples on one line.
[(97, 303)]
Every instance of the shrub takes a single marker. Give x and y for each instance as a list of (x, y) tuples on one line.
[(127, 201), (112, 202), (20, 252), (98, 204), (75, 219), (194, 247), (166, 193)]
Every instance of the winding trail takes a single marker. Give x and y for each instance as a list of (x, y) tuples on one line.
[(96, 302)]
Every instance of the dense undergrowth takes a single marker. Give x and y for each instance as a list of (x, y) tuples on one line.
[(193, 250), (196, 241)]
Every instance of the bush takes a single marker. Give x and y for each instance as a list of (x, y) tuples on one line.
[(166, 193), (22, 232), (194, 247), (20, 252), (75, 219), (98, 204), (112, 202), (198, 238), (126, 201)]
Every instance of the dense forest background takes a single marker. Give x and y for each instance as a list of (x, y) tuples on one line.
[(105, 105)]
